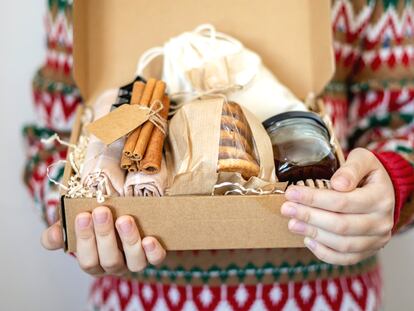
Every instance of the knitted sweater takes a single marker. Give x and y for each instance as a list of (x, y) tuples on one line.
[(371, 101)]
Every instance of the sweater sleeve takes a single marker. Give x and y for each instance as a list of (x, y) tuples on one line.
[(43, 162), (402, 177), (55, 99), (381, 95)]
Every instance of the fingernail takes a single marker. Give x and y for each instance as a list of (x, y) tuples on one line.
[(342, 181), (100, 217), (149, 246), (297, 226), (311, 244), (292, 194), (83, 222), (289, 210), (125, 226)]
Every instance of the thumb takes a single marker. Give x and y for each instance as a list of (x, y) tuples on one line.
[(358, 165), (52, 238)]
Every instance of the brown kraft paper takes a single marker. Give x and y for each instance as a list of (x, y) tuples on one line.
[(193, 147)]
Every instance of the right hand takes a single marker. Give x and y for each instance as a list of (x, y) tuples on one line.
[(97, 249)]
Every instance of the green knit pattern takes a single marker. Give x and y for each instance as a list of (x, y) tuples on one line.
[(299, 269), (61, 4), (41, 82)]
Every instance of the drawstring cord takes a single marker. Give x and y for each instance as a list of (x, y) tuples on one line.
[(204, 29)]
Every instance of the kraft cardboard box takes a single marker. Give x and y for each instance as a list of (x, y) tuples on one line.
[(294, 40)]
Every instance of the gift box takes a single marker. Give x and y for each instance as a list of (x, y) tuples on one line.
[(294, 41)]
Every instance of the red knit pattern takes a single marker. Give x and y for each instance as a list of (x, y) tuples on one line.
[(359, 292), (402, 177)]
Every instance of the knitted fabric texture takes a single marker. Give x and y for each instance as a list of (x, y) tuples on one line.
[(371, 101)]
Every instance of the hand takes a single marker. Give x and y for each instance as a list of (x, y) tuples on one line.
[(347, 224), (97, 248)]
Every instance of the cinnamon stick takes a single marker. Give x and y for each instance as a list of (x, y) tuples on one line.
[(138, 91), (126, 162), (133, 167), (146, 130), (151, 163)]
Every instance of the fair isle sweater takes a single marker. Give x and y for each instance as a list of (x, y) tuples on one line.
[(371, 101)]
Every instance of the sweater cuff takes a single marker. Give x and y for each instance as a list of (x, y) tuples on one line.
[(402, 176)]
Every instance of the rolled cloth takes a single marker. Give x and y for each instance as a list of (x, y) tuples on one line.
[(101, 170), (143, 185)]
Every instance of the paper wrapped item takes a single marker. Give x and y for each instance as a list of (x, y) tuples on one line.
[(139, 184), (101, 171), (213, 141)]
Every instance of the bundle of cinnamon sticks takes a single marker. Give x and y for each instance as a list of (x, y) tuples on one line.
[(144, 145)]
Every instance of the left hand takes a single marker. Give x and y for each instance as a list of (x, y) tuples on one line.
[(351, 222), (97, 249)]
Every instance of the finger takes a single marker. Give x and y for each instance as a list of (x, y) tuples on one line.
[(360, 163), (86, 250), (359, 201), (339, 243), (328, 255), (153, 250), (110, 257), (131, 242), (52, 238), (341, 224)]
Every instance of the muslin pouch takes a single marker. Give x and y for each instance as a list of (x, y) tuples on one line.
[(213, 142), (101, 171), (205, 61)]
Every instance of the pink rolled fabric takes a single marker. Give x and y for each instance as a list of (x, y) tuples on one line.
[(101, 169), (142, 185)]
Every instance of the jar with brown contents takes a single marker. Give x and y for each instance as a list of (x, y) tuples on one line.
[(301, 146)]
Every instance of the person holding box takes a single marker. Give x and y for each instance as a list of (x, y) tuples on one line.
[(371, 101)]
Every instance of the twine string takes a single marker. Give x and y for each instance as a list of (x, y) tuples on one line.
[(147, 58), (241, 190), (49, 141), (55, 137), (51, 179), (76, 158), (204, 30), (154, 115), (330, 127), (219, 92)]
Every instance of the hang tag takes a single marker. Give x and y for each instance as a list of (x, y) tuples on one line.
[(118, 123)]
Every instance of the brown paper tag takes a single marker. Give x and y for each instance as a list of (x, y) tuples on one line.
[(118, 123)]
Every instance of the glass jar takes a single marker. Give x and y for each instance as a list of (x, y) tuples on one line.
[(301, 146)]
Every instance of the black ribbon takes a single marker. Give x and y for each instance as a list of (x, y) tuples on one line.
[(125, 93)]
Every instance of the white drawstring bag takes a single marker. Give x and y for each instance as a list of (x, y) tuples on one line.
[(205, 62)]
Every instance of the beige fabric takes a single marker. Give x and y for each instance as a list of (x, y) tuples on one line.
[(101, 170), (142, 185), (206, 61)]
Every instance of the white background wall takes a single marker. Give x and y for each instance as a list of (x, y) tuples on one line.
[(33, 279), (30, 277)]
